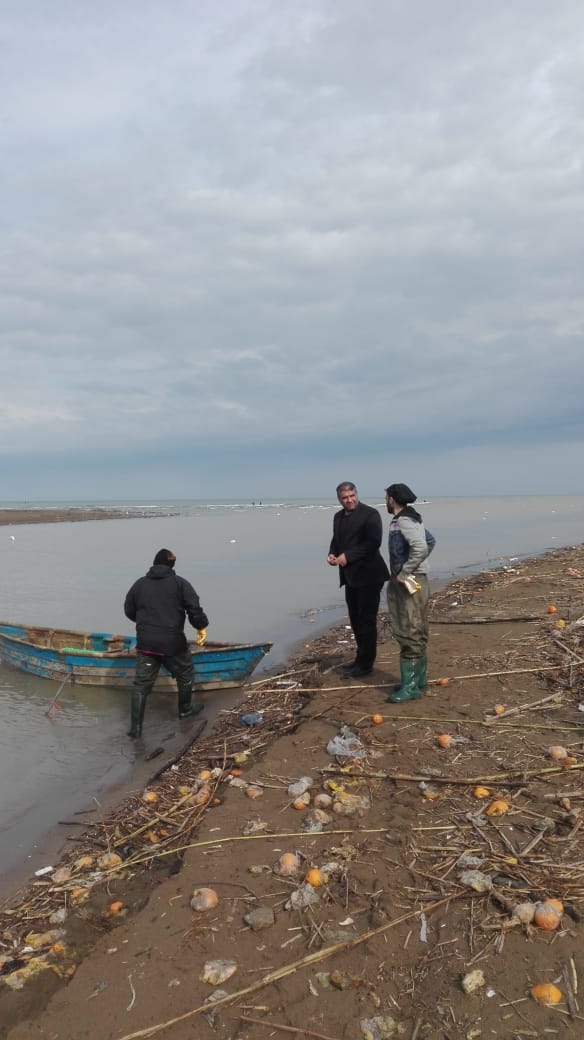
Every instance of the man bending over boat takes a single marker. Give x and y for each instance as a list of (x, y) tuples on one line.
[(159, 603)]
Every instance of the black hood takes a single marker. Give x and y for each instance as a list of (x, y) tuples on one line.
[(160, 570)]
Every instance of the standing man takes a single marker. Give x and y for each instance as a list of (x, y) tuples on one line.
[(159, 603), (410, 544), (354, 549)]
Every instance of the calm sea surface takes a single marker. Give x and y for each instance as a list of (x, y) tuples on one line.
[(261, 574)]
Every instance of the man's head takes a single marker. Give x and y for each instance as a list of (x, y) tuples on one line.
[(347, 496), (165, 556), (397, 496)]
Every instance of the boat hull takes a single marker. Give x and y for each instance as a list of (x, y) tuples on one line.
[(102, 659)]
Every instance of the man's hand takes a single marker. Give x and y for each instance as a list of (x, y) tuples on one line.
[(201, 636), (331, 560)]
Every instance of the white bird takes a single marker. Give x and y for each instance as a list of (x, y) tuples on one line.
[(11, 537)]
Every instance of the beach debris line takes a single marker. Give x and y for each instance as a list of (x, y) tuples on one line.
[(529, 855)]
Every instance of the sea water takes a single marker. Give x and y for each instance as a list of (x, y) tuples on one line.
[(261, 573)]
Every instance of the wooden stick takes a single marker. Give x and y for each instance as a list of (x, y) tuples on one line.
[(285, 1029), (289, 969)]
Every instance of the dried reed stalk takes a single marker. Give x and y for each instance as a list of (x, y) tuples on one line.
[(285, 1029), (460, 781)]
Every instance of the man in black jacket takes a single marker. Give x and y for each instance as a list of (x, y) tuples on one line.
[(159, 603), (354, 549)]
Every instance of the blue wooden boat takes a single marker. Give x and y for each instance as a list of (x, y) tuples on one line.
[(102, 659)]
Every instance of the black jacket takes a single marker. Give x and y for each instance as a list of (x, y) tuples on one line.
[(158, 603), (358, 535)]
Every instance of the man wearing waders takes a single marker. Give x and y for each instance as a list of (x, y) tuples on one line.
[(407, 590), (159, 603)]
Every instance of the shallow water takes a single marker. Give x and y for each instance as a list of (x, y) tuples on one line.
[(261, 574)]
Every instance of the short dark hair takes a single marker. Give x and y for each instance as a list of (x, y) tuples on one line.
[(346, 485)]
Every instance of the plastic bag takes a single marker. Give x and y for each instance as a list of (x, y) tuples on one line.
[(252, 718), (300, 786), (346, 743)]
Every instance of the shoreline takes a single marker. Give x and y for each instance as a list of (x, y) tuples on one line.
[(52, 844), (72, 514), (301, 715), (151, 755)]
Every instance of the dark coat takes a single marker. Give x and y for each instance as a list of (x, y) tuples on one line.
[(159, 603), (358, 535)]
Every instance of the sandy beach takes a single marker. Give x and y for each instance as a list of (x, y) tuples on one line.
[(69, 514), (407, 927)]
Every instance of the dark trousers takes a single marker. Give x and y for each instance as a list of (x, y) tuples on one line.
[(180, 667), (363, 604)]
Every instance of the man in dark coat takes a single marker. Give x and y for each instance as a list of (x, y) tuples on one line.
[(159, 603), (354, 549)]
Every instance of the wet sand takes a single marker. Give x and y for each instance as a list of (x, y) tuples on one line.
[(393, 928), (13, 517)]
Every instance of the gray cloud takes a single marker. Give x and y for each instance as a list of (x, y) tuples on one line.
[(301, 234)]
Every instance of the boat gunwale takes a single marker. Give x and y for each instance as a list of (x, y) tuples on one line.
[(109, 655)]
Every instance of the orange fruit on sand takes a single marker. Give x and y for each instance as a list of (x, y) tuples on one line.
[(546, 993), (443, 682), (204, 899), (314, 877), (288, 864), (551, 609), (498, 808), (547, 916), (482, 792), (377, 719), (499, 709), (444, 740)]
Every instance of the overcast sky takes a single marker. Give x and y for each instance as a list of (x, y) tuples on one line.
[(257, 247)]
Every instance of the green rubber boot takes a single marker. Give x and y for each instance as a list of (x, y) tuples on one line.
[(137, 708), (423, 674), (409, 689)]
